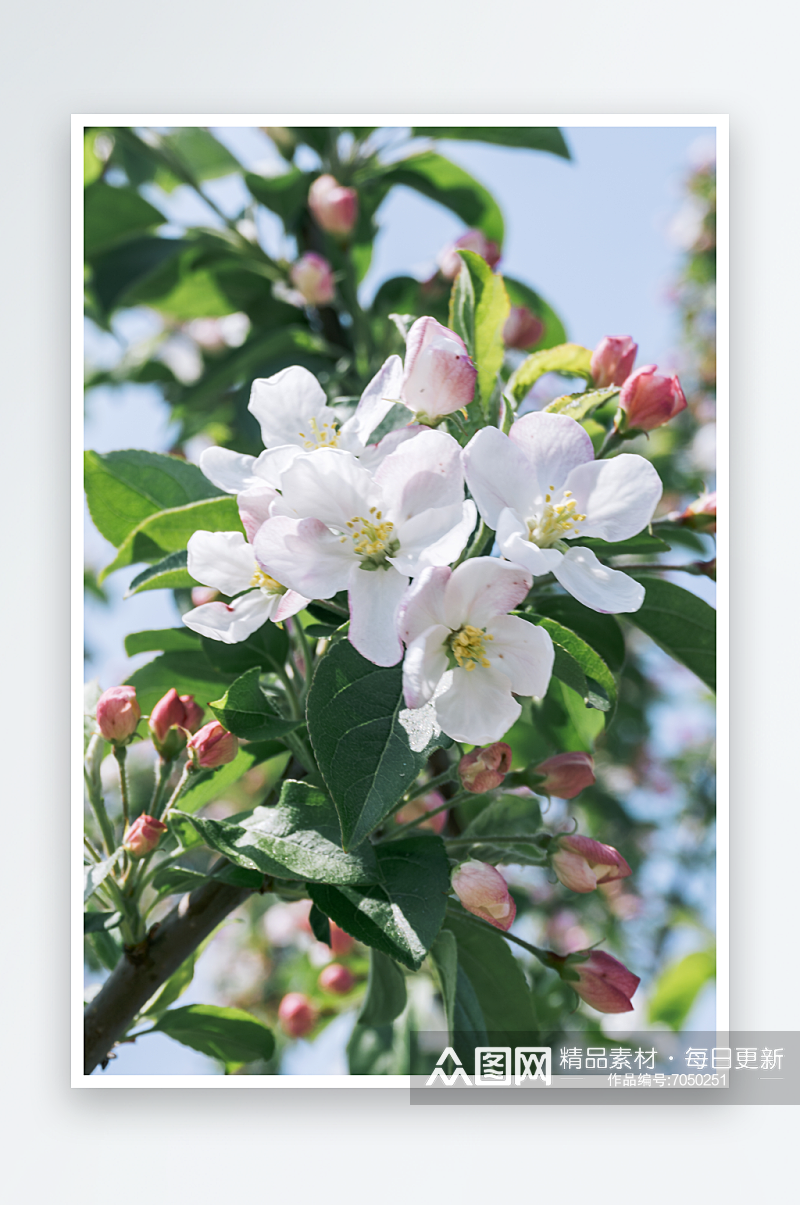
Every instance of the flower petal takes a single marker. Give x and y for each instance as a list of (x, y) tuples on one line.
[(304, 555), (289, 604), (421, 473), (222, 559), (499, 475), (478, 708), (618, 496), (523, 652), (423, 604), (376, 401), (270, 464), (232, 622), (374, 597), (229, 471), (329, 485), (435, 537), (254, 508), (283, 404), (554, 443), (513, 542), (374, 454), (424, 665), (482, 588), (595, 585)]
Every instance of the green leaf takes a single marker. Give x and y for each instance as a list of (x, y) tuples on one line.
[(381, 1050), (175, 986), (682, 624), (167, 640), (643, 543), (677, 988), (170, 531), (320, 925), (461, 315), (445, 182), (590, 662), (112, 215), (245, 710), (208, 785), (522, 294), (386, 991), (532, 138), (507, 816), (118, 274), (581, 405), (95, 873), (100, 922), (444, 955), (496, 977), (402, 915), (285, 195), (228, 1034), (124, 488), (201, 153), (570, 359), (490, 314), (267, 647), (361, 747), (92, 163), (601, 632), (176, 880), (189, 672), (298, 838)]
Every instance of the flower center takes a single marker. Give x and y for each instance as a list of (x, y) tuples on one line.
[(467, 645), (556, 521), (266, 584), (372, 539), (325, 435)]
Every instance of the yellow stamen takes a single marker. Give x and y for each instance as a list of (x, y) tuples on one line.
[(263, 581), (468, 647)]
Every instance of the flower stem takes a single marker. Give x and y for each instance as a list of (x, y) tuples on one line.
[(161, 779), (186, 774), (431, 785), (612, 441), (91, 774), (121, 753)]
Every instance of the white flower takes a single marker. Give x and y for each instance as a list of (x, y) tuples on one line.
[(337, 527), (456, 620), (224, 560), (540, 485)]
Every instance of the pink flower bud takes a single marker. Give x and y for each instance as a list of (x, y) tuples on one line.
[(296, 1015), (118, 713), (612, 360), (603, 981), (336, 978), (522, 328), (312, 276), (193, 713), (419, 806), (483, 891), (334, 207), (439, 376), (484, 769), (450, 262), (174, 711), (144, 835), (566, 774), (581, 863), (649, 400), (701, 515), (212, 746)]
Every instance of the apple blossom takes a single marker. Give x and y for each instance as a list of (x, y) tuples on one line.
[(296, 1015), (602, 980), (334, 206), (540, 486), (420, 806), (174, 711), (224, 560), (522, 328), (612, 360), (581, 863), (212, 746), (438, 375), (118, 713), (450, 262), (337, 527), (336, 978), (484, 769), (566, 774), (144, 835), (455, 622), (483, 891), (648, 400), (312, 276)]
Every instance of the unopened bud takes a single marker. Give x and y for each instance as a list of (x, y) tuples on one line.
[(483, 891), (336, 978), (484, 769), (144, 835), (700, 515), (581, 863), (312, 276), (612, 360), (566, 774), (438, 375), (450, 262), (649, 400), (334, 207), (522, 328), (296, 1015), (173, 715), (602, 980), (118, 713), (212, 746)]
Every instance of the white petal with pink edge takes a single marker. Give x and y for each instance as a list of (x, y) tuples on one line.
[(499, 475), (523, 652), (618, 496), (482, 588), (424, 665), (597, 586), (304, 555), (222, 559), (554, 443), (232, 622), (478, 707)]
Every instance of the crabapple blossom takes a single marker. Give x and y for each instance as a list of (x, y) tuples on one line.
[(450, 262), (438, 375), (539, 486), (612, 360), (483, 891), (334, 206), (581, 863), (118, 713), (484, 769), (174, 711), (212, 746), (224, 560), (648, 400), (144, 835), (566, 774), (522, 328), (455, 622), (337, 527), (312, 276), (602, 980)]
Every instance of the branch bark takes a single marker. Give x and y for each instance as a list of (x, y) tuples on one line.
[(138, 975)]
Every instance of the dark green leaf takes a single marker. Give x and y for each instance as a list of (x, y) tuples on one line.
[(508, 816), (189, 672), (228, 1034), (643, 543), (207, 785), (170, 573), (174, 987), (200, 152), (590, 662), (386, 991), (113, 214), (100, 922), (402, 915), (569, 359), (117, 274), (496, 977), (245, 710), (602, 632), (445, 182), (444, 955), (267, 648), (682, 624), (167, 640), (379, 1051), (320, 925), (533, 138), (285, 195)]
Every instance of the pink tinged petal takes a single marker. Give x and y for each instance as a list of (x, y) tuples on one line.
[(375, 454), (233, 622), (329, 485), (421, 473), (435, 537), (595, 585), (452, 543), (271, 464), (617, 496), (376, 401), (482, 588), (304, 555), (374, 597), (574, 871), (424, 665), (222, 559), (439, 376), (228, 470), (554, 443), (523, 652), (283, 404), (423, 604), (499, 475), (513, 542), (478, 707), (289, 604), (606, 863), (254, 508)]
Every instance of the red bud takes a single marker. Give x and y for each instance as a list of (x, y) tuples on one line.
[(484, 769), (118, 713)]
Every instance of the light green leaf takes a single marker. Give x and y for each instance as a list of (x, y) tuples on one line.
[(92, 163), (677, 988), (570, 359), (175, 986), (228, 1034), (601, 632), (200, 152), (491, 309), (189, 672), (533, 138), (96, 872), (449, 185), (245, 710), (386, 991), (208, 785), (170, 531), (590, 662), (100, 922), (581, 405), (682, 624), (112, 215)]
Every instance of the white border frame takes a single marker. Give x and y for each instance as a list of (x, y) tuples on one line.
[(721, 125)]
